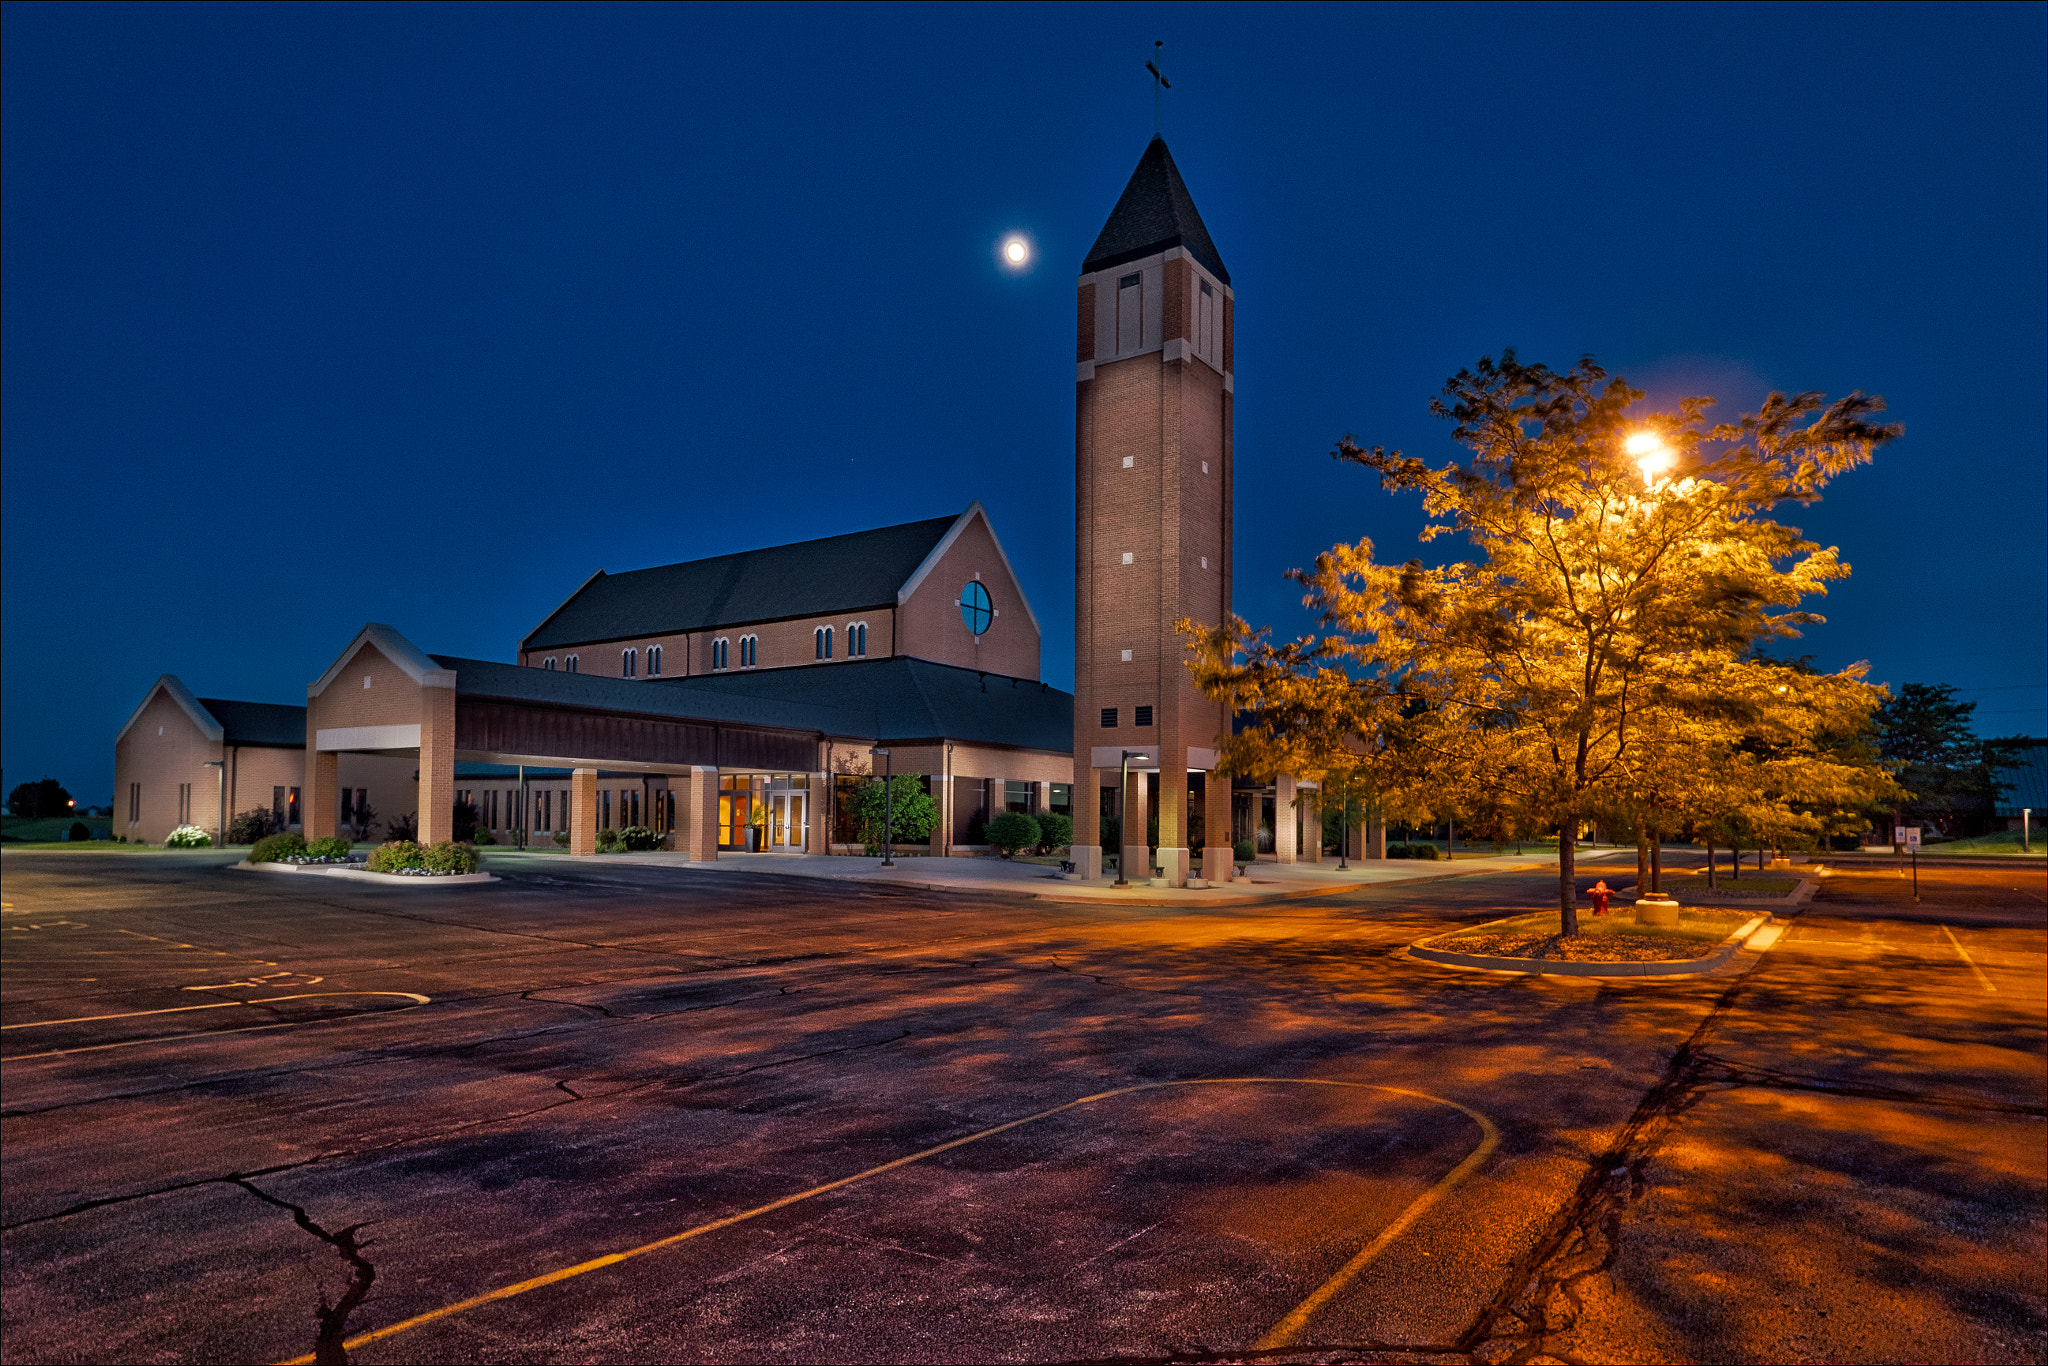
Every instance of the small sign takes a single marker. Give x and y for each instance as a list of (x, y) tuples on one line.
[(1908, 836)]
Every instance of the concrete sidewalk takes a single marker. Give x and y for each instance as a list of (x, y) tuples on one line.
[(1267, 882)]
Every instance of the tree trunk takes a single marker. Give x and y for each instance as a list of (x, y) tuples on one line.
[(1710, 865), (1642, 861), (1567, 879), (1657, 866)]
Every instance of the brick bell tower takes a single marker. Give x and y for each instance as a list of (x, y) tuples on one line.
[(1152, 473)]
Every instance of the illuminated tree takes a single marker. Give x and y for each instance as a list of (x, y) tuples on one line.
[(1623, 569)]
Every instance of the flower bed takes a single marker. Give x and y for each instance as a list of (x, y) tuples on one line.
[(407, 859), (188, 837)]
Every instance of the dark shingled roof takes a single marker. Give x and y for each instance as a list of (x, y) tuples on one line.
[(884, 699), (1155, 212), (810, 578), (908, 699), (259, 723)]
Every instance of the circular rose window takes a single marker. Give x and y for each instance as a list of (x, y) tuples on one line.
[(975, 608)]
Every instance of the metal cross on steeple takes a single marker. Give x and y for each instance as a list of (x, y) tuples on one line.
[(1159, 83)]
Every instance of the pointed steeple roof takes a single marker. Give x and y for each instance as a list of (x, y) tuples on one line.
[(1155, 212)]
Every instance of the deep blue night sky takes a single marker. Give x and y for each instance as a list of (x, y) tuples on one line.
[(318, 315)]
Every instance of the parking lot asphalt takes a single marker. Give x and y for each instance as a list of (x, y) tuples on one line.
[(596, 1112)]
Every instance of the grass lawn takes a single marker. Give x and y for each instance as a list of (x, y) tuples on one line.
[(50, 827), (1687, 883), (1998, 842)]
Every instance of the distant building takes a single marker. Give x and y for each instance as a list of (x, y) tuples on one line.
[(2023, 787)]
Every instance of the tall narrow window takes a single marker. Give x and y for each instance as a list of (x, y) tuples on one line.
[(548, 663), (1130, 314), (571, 663), (750, 651), (292, 807), (654, 661), (1206, 328), (718, 653), (629, 663), (822, 642), (857, 640)]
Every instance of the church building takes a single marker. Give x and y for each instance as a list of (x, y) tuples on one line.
[(732, 703)]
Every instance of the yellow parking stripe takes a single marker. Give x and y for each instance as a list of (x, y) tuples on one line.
[(1292, 1324)]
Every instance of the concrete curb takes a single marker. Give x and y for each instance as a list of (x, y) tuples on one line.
[(365, 875), (1533, 967)]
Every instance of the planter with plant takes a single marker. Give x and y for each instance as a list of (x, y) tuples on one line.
[(1244, 852)]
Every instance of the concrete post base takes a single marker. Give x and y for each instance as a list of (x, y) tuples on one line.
[(1136, 863), (1656, 910), (1216, 865), (1173, 864), (1087, 860)]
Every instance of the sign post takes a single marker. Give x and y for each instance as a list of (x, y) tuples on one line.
[(1909, 835)]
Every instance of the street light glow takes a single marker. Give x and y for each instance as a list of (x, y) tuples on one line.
[(1653, 457)]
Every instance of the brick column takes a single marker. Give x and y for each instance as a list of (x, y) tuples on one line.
[(583, 812), (1312, 827), (818, 815), (320, 816), (1135, 853), (1283, 818), (437, 765), (697, 813), (1217, 864), (1087, 850)]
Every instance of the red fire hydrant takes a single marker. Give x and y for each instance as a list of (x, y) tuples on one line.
[(1600, 892)]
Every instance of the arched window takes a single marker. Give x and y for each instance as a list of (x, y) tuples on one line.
[(976, 609), (548, 663), (750, 651), (718, 649), (629, 663), (857, 640), (823, 636), (569, 665), (654, 661)]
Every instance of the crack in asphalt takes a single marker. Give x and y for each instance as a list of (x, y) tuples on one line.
[(332, 1318), (342, 1154), (1721, 1072)]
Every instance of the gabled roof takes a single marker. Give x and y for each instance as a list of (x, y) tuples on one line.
[(2024, 781), (808, 578), (260, 723), (1155, 212), (208, 724), (410, 659)]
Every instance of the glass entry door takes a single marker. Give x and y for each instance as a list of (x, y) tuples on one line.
[(786, 825)]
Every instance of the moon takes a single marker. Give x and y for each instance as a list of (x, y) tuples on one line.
[(1016, 251)]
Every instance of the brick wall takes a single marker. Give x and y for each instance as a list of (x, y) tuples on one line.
[(932, 627), (783, 644)]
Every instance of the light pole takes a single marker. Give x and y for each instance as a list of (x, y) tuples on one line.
[(1123, 786), (888, 804), (220, 809)]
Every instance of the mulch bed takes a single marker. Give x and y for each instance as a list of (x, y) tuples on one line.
[(1582, 948)]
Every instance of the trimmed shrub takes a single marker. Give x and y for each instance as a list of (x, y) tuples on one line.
[(393, 855), (333, 846), (1245, 852), (81, 831), (449, 857), (1055, 831), (608, 841), (1426, 852), (184, 837), (252, 825), (1011, 831), (271, 848), (482, 836), (1400, 850), (638, 839)]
